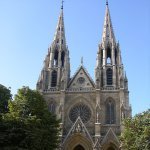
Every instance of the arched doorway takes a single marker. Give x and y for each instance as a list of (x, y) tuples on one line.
[(110, 148), (79, 147), (78, 142)]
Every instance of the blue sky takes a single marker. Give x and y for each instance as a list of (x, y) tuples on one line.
[(27, 28)]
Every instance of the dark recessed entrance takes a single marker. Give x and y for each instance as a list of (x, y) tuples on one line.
[(110, 148), (79, 147)]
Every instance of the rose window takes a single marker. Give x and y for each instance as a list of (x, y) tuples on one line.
[(80, 110), (81, 80)]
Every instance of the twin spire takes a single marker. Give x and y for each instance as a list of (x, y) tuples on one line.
[(107, 35), (56, 72), (59, 37)]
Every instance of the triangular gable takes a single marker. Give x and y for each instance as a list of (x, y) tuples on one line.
[(97, 144), (78, 127), (81, 79), (110, 137)]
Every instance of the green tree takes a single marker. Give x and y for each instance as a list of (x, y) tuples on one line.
[(5, 96), (136, 134), (29, 123)]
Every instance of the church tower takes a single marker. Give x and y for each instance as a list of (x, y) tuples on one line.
[(56, 71), (109, 72), (91, 113), (109, 67)]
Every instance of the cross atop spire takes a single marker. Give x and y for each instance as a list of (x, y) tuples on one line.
[(62, 4)]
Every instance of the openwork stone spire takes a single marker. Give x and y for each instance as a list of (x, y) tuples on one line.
[(62, 4), (56, 71), (59, 37), (109, 68), (108, 33)]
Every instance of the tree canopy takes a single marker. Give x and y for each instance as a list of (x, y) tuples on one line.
[(29, 125), (136, 134), (5, 96)]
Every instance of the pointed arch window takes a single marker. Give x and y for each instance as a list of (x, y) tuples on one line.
[(108, 60), (110, 112), (52, 107), (46, 79), (116, 53), (54, 79), (56, 58), (62, 58), (109, 74), (108, 55)]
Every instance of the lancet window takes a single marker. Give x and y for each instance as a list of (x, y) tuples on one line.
[(46, 79), (56, 58), (108, 55), (109, 74), (54, 79), (116, 56), (52, 107), (63, 58), (110, 112)]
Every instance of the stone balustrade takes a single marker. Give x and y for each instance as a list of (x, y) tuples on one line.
[(51, 90), (80, 89), (109, 88)]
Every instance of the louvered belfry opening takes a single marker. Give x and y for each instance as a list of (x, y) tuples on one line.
[(63, 58), (109, 76), (109, 61), (56, 58), (54, 79)]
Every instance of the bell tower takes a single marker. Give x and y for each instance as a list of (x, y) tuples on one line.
[(111, 83), (56, 71), (109, 68)]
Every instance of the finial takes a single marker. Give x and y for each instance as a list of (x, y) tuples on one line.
[(106, 2), (62, 4), (81, 60)]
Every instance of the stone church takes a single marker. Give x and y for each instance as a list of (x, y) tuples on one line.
[(91, 111)]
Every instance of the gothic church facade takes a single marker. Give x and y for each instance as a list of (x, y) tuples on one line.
[(90, 111)]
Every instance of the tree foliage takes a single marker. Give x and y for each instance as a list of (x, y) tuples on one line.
[(28, 125), (136, 134), (5, 96)]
